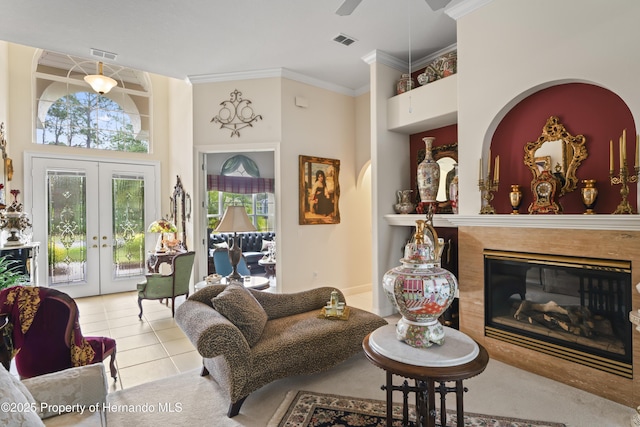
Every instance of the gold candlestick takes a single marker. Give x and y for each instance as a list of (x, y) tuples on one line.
[(624, 207), (487, 187)]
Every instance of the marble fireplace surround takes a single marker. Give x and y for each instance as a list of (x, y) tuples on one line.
[(602, 236)]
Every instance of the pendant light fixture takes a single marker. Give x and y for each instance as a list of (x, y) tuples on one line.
[(99, 82)]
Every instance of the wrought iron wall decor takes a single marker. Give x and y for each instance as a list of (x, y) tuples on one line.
[(236, 114)]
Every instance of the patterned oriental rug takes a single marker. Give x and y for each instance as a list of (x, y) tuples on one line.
[(309, 409)]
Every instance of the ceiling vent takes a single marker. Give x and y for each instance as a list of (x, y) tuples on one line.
[(344, 39), (103, 54)]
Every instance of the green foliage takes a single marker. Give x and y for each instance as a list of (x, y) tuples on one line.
[(89, 120), (9, 273)]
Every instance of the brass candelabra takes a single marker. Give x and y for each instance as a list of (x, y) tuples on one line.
[(624, 207), (488, 186)]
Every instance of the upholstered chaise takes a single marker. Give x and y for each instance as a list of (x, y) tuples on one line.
[(293, 341)]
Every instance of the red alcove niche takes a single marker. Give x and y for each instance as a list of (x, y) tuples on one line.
[(597, 113)]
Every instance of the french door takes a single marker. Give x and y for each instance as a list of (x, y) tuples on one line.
[(89, 217)]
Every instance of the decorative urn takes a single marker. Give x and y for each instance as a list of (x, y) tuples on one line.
[(15, 221), (420, 289), (428, 178)]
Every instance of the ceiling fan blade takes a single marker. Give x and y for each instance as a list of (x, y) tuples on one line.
[(347, 7), (437, 4)]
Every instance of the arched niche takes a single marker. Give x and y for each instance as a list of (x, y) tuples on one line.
[(587, 109)]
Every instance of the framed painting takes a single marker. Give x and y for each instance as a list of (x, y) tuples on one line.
[(319, 190)]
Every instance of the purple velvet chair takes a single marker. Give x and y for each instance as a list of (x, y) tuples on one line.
[(46, 332)]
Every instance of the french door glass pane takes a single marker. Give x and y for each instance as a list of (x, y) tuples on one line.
[(67, 240), (128, 225)]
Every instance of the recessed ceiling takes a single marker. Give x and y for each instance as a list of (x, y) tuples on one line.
[(213, 37)]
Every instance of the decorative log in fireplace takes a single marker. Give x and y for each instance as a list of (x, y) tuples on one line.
[(574, 308)]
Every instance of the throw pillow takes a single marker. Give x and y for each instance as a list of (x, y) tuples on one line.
[(265, 245), (20, 404), (242, 309), (222, 245)]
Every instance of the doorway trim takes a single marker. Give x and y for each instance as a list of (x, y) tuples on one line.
[(200, 214), (28, 183)]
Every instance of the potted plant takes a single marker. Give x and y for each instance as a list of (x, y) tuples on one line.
[(10, 274)]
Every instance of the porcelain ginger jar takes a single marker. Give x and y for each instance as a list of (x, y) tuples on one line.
[(420, 289)]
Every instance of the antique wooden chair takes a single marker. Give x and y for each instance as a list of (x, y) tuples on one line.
[(159, 286)]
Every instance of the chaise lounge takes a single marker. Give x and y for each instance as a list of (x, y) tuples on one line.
[(252, 338)]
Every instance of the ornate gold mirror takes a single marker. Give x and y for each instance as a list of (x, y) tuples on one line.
[(558, 152), (180, 210)]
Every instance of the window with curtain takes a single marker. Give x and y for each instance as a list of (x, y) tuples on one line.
[(239, 183)]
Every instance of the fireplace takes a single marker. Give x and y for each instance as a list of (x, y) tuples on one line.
[(573, 308)]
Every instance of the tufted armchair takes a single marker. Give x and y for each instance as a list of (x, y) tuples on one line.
[(46, 332), (243, 352), (252, 247)]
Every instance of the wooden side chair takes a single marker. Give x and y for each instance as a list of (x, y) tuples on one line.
[(159, 286)]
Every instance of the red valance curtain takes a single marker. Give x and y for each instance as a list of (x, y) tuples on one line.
[(240, 184)]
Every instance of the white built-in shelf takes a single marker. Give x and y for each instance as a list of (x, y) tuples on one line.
[(410, 220), (577, 222), (431, 106)]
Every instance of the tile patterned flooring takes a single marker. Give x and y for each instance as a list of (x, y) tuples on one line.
[(148, 349)]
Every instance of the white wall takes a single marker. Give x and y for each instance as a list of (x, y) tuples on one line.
[(308, 255), (326, 254), (511, 48), (389, 158)]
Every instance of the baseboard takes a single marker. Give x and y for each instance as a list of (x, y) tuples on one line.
[(356, 289)]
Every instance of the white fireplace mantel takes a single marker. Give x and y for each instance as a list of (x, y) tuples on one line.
[(576, 222)]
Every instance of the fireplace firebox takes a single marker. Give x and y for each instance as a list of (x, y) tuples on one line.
[(574, 308)]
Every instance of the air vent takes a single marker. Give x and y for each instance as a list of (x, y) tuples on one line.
[(103, 54), (344, 39)]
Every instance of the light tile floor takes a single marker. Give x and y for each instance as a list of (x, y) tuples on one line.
[(148, 349)]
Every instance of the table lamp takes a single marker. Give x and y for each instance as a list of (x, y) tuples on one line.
[(236, 220), (161, 226)]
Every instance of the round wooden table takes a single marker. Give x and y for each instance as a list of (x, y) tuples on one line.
[(462, 360)]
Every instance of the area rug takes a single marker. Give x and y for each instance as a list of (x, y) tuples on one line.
[(309, 409)]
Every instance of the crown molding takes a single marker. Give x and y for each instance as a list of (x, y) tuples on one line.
[(464, 7), (385, 59), (270, 73)]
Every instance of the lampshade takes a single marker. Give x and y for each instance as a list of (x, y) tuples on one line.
[(235, 219), (99, 82), (162, 226)]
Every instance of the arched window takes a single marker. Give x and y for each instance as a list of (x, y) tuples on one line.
[(70, 113)]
